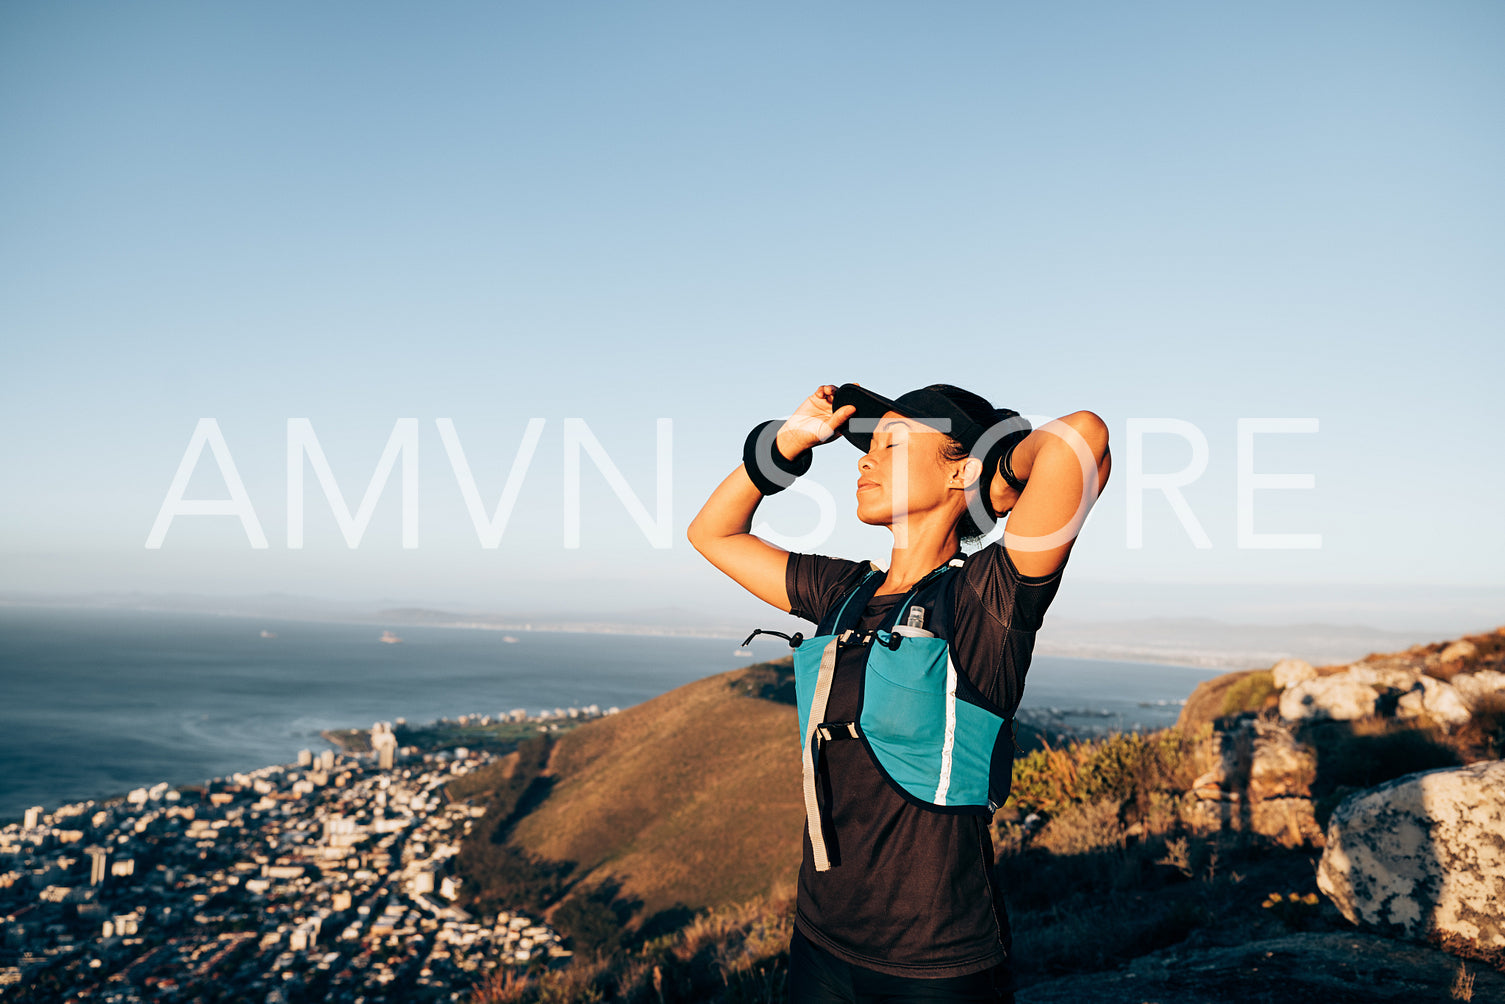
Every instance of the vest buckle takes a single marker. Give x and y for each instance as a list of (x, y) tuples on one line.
[(831, 731)]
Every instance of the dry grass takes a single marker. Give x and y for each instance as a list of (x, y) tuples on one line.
[(1082, 829), (734, 955), (655, 802), (504, 986), (1463, 984), (1483, 737)]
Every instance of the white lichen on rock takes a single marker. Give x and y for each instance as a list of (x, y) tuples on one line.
[(1423, 853)]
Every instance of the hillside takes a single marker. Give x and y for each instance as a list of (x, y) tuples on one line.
[(663, 841), (686, 801)]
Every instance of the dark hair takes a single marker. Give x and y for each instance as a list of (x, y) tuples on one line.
[(981, 411)]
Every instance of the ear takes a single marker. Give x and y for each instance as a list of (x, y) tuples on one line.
[(966, 473)]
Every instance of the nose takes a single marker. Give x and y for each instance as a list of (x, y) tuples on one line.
[(864, 463)]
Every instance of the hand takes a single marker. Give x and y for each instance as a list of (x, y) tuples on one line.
[(812, 423)]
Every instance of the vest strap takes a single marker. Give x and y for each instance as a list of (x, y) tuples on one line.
[(841, 625), (815, 716)]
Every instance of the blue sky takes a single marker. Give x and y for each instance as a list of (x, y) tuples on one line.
[(491, 213)]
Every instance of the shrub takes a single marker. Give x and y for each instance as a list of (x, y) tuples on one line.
[(590, 923), (1122, 768), (1082, 829), (1249, 694)]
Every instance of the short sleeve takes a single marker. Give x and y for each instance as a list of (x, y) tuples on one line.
[(816, 582), (996, 612)]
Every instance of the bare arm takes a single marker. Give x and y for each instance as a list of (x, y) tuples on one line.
[(722, 530), (1065, 464)]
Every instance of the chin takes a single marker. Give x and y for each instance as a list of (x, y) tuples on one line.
[(874, 515)]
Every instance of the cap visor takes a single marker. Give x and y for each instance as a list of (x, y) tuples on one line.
[(869, 406)]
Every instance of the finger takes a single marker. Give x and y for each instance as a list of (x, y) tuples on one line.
[(837, 420)]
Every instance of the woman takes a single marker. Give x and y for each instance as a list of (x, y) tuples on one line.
[(907, 689)]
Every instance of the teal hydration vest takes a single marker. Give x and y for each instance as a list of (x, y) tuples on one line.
[(938, 741)]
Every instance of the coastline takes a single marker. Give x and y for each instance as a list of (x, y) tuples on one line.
[(1194, 657)]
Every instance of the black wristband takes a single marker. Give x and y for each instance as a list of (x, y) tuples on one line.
[(770, 471), (996, 461), (1007, 470)]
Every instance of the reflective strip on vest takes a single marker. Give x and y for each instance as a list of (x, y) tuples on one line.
[(949, 743)]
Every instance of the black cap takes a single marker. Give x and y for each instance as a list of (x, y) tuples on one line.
[(928, 405)]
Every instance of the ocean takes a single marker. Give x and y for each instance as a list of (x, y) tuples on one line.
[(96, 702)]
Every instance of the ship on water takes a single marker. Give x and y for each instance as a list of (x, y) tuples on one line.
[(388, 638)]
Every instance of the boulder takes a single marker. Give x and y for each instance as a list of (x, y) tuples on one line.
[(1289, 672), (1382, 675), (1435, 698), (1259, 760), (1405, 662), (1341, 697), (1261, 784), (1382, 687), (1478, 689), (1458, 651), (1281, 767), (1421, 854)]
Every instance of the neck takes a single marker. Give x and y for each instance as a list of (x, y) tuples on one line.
[(925, 549)]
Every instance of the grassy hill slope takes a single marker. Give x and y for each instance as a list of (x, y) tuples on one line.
[(691, 799)]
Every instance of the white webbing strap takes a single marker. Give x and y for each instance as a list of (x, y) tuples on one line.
[(816, 715), (948, 743)]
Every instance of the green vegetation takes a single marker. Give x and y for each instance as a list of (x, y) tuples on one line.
[(500, 876), (1252, 692), (1125, 768), (1209, 699)]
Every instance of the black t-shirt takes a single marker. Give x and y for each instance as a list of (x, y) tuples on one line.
[(910, 892)]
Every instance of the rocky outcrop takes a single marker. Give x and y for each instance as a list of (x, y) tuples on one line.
[(1289, 672), (1439, 700), (1262, 784), (1423, 853), (1338, 697), (1390, 687), (1480, 690), (1460, 651)]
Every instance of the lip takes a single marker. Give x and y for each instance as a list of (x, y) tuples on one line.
[(861, 485)]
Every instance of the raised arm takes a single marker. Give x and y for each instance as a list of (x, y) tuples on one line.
[(1064, 464), (722, 530)]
